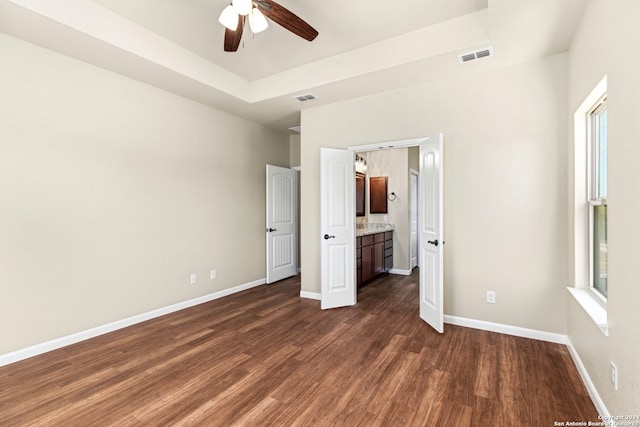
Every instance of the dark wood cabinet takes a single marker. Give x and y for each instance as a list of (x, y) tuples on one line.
[(388, 250), (367, 263), (360, 194), (374, 255), (358, 263), (378, 194), (378, 253)]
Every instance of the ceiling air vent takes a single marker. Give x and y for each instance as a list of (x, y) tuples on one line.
[(306, 97), (472, 56), (467, 57)]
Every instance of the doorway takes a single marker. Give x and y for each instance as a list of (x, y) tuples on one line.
[(388, 208), (281, 223), (337, 194)]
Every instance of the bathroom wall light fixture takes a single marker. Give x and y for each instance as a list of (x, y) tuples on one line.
[(361, 164)]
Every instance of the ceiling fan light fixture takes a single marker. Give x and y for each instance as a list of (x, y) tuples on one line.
[(257, 21), (242, 7), (256, 12), (229, 18)]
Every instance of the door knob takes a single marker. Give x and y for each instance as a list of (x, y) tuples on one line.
[(433, 242), (271, 229), (327, 237)]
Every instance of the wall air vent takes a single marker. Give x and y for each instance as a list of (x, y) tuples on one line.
[(472, 56), (306, 97)]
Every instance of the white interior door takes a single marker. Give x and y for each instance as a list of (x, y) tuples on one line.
[(337, 231), (281, 223), (413, 218), (431, 233)]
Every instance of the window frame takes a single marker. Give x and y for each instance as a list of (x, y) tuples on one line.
[(593, 145), (594, 196), (594, 305)]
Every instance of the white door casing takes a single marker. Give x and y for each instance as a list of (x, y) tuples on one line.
[(337, 195), (337, 218), (281, 223), (414, 176), (431, 233)]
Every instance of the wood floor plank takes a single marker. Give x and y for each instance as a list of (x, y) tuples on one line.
[(434, 398), (266, 357)]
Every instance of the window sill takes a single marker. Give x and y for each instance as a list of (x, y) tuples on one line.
[(594, 309)]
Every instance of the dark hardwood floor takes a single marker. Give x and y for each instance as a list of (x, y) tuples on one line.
[(266, 357)]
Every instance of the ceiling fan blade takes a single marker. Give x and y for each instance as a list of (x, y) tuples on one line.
[(232, 38), (284, 17)]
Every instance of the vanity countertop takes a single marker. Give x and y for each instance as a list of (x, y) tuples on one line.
[(375, 227)]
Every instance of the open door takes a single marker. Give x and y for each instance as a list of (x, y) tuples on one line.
[(431, 233), (281, 223), (337, 217)]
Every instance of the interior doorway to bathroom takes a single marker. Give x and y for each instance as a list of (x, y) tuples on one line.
[(338, 231)]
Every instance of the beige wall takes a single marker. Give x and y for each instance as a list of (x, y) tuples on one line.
[(294, 149), (414, 158), (608, 32), (294, 161), (112, 192), (504, 180)]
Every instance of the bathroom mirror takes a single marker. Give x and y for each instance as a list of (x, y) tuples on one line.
[(378, 194), (360, 194)]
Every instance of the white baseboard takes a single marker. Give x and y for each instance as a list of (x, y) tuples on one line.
[(586, 379), (400, 272), (310, 295), (506, 329), (57, 343)]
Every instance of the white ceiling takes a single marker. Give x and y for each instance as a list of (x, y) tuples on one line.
[(363, 47), (192, 25)]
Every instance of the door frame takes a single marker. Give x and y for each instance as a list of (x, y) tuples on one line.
[(400, 143), (295, 239), (386, 145), (404, 143), (412, 173)]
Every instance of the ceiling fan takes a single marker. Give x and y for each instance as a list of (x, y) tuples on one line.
[(233, 18)]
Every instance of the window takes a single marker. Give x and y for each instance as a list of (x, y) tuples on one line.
[(589, 233), (597, 196)]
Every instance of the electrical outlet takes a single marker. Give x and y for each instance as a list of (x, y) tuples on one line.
[(193, 279), (614, 376), (491, 297), (213, 274)]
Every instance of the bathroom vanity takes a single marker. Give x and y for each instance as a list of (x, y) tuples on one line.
[(374, 251)]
